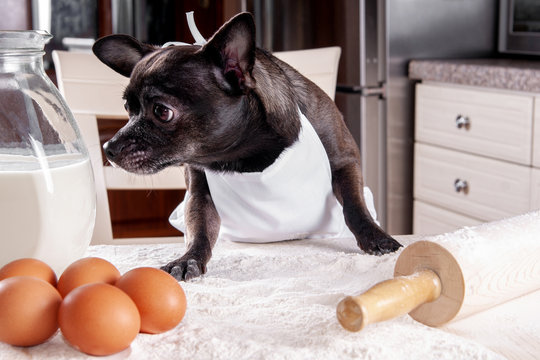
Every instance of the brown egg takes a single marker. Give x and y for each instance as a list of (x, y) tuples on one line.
[(159, 297), (86, 271), (99, 319), (28, 267), (28, 310)]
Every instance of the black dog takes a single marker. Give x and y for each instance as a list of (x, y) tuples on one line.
[(227, 108)]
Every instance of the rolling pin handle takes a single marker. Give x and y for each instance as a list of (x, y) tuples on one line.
[(389, 299)]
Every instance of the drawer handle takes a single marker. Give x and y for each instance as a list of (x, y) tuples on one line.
[(461, 186), (463, 122)]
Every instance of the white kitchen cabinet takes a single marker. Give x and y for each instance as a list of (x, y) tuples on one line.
[(536, 133), (491, 123), (535, 188), (477, 155), (432, 220)]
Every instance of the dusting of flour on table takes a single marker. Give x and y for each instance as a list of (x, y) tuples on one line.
[(273, 301)]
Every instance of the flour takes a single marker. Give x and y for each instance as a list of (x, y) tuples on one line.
[(273, 301)]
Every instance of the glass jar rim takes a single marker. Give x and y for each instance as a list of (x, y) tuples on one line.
[(23, 40)]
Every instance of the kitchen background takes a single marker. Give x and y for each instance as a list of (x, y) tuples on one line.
[(378, 39)]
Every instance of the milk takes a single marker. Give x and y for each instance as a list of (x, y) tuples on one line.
[(46, 214)]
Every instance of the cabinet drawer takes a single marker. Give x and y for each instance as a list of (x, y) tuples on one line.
[(479, 187), (433, 220), (535, 189), (486, 123), (536, 136)]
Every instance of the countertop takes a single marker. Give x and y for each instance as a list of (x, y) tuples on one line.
[(521, 75), (278, 301)]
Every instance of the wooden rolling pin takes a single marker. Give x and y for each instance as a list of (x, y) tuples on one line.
[(454, 275)]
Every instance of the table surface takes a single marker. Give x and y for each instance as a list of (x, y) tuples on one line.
[(277, 301)]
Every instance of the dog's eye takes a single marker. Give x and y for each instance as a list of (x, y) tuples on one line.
[(163, 113), (126, 106)]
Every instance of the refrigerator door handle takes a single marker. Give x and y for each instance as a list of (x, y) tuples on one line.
[(379, 91)]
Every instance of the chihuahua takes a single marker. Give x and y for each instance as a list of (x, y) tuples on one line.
[(267, 154)]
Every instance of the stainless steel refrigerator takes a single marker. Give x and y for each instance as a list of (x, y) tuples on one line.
[(378, 38)]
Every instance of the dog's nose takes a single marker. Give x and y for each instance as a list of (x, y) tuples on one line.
[(118, 145), (111, 151)]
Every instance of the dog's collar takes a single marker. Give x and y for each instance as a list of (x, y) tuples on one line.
[(199, 39)]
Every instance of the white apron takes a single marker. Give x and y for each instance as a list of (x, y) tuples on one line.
[(290, 199)]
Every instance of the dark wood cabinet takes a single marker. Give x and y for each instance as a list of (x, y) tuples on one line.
[(16, 14)]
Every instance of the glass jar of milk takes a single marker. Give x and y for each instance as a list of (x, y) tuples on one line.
[(47, 195)]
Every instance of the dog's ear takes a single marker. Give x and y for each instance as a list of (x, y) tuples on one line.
[(233, 49), (121, 52)]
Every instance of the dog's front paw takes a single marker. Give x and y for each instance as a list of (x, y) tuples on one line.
[(185, 268), (379, 244)]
